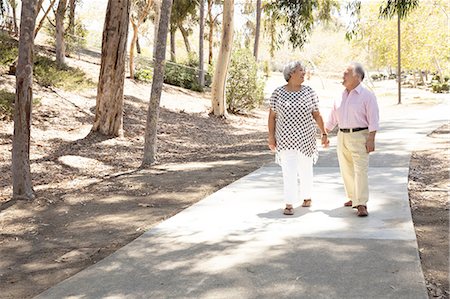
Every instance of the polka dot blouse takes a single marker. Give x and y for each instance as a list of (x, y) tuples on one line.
[(295, 128)]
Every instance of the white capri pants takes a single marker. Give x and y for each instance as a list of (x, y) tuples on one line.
[(297, 175)]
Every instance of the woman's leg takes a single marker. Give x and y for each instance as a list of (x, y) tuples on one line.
[(290, 181), (305, 174)]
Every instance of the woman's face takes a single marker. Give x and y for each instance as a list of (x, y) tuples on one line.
[(298, 75)]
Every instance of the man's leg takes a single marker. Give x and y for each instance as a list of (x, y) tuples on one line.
[(360, 157), (346, 165)]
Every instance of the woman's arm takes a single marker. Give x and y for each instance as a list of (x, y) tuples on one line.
[(319, 120), (271, 124)]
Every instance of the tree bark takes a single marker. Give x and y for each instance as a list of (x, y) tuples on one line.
[(201, 72), (399, 61), (157, 8), (41, 22), (132, 47), (257, 29), (60, 44), (109, 105), (150, 145), (173, 56), (185, 35), (21, 173), (14, 12), (211, 32), (223, 60), (72, 6)]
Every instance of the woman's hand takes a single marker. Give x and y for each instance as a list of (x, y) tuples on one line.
[(272, 143), (325, 141)]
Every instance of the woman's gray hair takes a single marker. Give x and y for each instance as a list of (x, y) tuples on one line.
[(290, 68), (358, 69)]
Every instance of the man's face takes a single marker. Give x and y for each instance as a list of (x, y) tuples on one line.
[(350, 79)]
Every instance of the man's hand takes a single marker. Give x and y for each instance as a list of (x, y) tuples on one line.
[(370, 145)]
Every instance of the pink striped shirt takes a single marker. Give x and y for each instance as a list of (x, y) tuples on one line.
[(356, 109)]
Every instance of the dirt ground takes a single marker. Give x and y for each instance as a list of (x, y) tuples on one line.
[(92, 198)]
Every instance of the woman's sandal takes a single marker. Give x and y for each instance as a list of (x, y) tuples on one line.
[(306, 203), (288, 211)]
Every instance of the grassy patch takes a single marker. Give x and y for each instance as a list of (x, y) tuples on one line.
[(47, 74), (8, 50), (6, 104)]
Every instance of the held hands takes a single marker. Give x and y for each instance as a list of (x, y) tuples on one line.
[(325, 141), (272, 143)]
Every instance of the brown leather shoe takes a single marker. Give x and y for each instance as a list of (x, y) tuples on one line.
[(362, 211), (348, 204)]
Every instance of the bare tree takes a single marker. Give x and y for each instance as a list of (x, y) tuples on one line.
[(223, 60), (150, 144), (60, 44), (109, 106), (21, 173)]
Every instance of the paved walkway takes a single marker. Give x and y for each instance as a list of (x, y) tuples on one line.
[(237, 244)]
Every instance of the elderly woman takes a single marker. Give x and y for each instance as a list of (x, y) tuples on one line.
[(294, 113)]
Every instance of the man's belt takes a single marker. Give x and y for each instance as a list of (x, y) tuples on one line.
[(352, 130)]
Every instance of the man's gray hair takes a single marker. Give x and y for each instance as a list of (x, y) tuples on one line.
[(290, 68), (358, 69)]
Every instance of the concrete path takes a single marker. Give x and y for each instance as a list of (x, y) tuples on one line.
[(237, 244)]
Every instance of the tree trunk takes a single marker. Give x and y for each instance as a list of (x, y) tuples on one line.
[(201, 72), (138, 46), (399, 61), (173, 56), (60, 45), (41, 22), (157, 8), (21, 173), (132, 47), (257, 29), (72, 6), (185, 35), (223, 59), (150, 145), (14, 12), (211, 32), (109, 105)]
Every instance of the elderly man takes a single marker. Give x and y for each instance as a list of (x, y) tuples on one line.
[(356, 114)]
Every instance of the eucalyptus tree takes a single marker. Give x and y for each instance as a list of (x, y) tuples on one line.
[(150, 143), (44, 17), (401, 9), (182, 10), (109, 103), (21, 173), (140, 10), (223, 59), (60, 43)]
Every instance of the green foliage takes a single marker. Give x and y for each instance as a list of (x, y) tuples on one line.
[(186, 74), (244, 89), (299, 16), (72, 42), (440, 86), (6, 104), (145, 75), (47, 74), (8, 49), (398, 7)]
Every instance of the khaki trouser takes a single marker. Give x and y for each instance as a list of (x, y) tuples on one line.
[(354, 163)]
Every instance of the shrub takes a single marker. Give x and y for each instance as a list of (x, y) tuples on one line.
[(438, 87), (185, 74), (145, 75), (48, 74), (8, 50), (245, 89), (6, 104)]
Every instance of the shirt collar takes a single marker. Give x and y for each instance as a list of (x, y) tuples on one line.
[(358, 89)]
